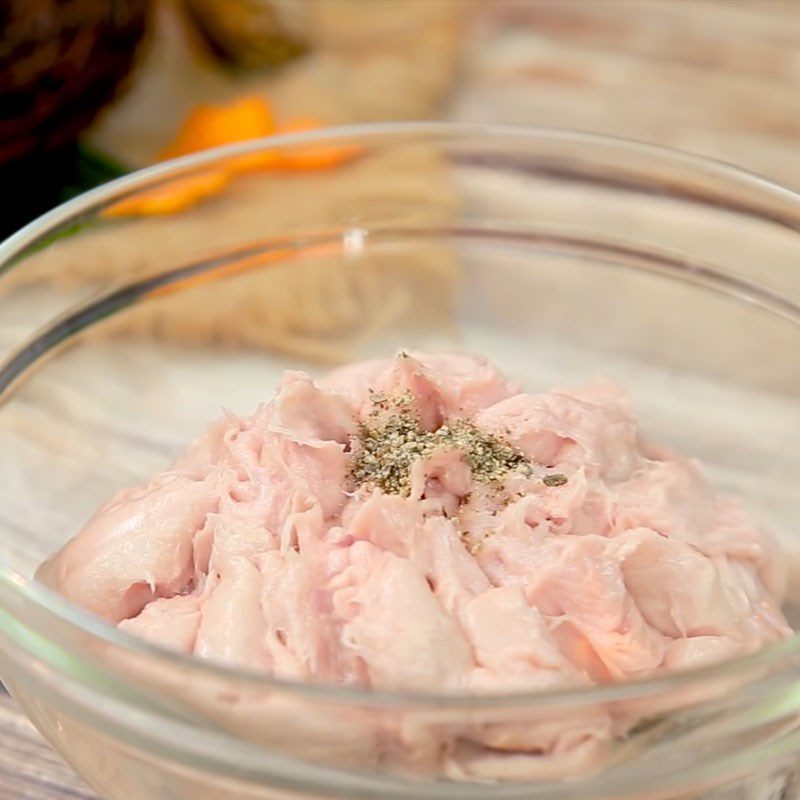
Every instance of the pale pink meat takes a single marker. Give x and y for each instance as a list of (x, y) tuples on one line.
[(257, 550), (170, 622), (391, 620), (137, 548)]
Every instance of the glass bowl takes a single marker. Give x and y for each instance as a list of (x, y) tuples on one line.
[(131, 316)]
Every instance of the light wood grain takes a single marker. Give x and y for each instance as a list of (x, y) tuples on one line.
[(29, 768), (717, 78)]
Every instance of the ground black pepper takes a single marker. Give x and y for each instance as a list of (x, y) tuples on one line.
[(392, 441)]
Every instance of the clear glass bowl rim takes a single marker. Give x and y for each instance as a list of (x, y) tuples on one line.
[(31, 592)]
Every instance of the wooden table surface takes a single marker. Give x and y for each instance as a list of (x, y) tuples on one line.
[(711, 76), (29, 768)]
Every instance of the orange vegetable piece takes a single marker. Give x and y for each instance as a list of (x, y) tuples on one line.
[(311, 157), (177, 195), (252, 162), (213, 126)]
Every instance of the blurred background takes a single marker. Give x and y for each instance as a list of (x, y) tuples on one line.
[(93, 89), (90, 89)]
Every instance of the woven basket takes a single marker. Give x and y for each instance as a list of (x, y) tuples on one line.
[(61, 62)]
